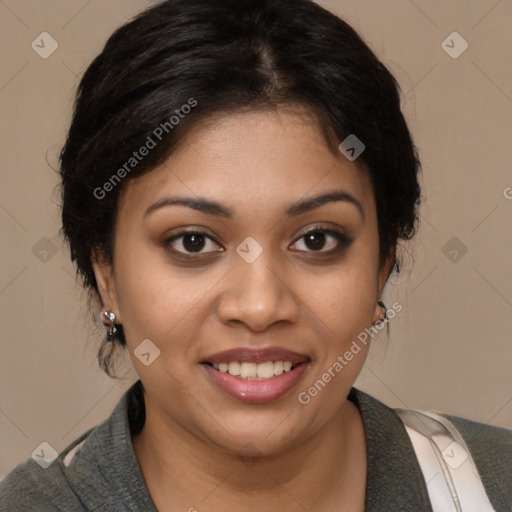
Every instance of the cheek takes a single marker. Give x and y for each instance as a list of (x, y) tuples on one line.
[(155, 300), (356, 300), (345, 298), (344, 301)]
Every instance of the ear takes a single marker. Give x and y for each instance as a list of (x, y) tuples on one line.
[(104, 274), (385, 269)]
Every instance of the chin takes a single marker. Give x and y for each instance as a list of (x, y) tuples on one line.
[(251, 437)]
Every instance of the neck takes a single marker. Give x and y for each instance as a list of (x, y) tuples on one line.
[(327, 469)]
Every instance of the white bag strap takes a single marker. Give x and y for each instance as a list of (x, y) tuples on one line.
[(450, 473)]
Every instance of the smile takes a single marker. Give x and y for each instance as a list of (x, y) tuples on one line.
[(253, 371), (256, 376)]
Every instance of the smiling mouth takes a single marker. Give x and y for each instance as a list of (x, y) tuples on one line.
[(255, 375), (255, 371)]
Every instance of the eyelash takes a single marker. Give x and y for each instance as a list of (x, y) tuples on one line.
[(343, 241)]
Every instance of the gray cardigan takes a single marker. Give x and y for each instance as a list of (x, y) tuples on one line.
[(103, 474)]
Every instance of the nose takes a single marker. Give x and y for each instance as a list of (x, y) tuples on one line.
[(257, 295)]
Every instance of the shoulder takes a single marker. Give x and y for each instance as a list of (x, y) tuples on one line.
[(491, 449), (482, 434), (23, 489), (31, 486), (97, 471), (490, 446)]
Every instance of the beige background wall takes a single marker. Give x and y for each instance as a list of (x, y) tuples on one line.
[(450, 348)]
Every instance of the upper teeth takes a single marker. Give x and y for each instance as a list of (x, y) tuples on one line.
[(254, 371)]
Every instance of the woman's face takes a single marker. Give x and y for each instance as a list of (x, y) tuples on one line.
[(248, 287)]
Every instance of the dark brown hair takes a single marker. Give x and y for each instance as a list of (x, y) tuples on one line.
[(190, 59)]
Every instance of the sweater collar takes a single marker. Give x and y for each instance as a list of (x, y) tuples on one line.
[(394, 478)]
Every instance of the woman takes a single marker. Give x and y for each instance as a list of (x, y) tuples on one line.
[(236, 179)]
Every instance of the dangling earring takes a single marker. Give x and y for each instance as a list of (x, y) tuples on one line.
[(384, 314), (112, 333)]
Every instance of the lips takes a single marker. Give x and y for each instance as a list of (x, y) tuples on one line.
[(244, 373), (252, 355)]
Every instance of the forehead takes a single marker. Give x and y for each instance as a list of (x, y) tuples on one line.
[(258, 160)]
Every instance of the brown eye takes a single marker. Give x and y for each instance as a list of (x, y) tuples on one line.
[(317, 239), (192, 242)]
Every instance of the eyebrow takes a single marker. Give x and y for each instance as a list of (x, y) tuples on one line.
[(216, 209)]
